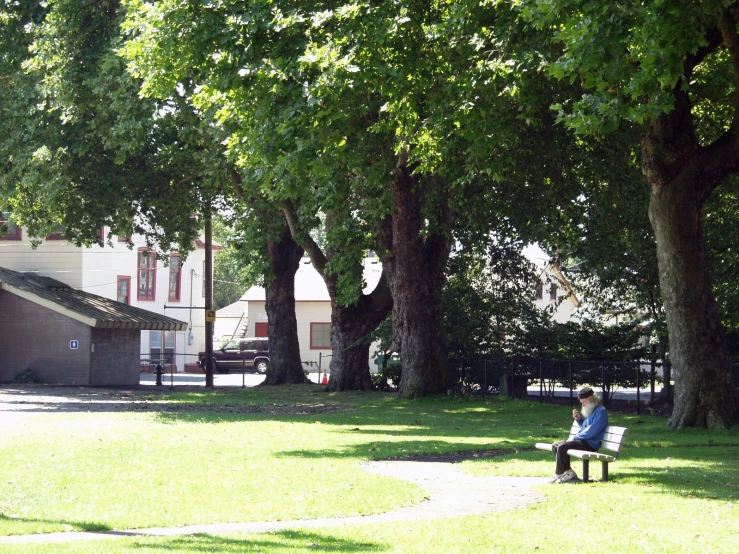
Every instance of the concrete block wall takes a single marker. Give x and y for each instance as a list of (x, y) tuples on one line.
[(114, 359), (37, 338)]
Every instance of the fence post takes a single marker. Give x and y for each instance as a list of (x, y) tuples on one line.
[(638, 386), (541, 383), (572, 402), (485, 370), (603, 383)]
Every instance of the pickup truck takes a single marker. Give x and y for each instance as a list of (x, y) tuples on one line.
[(240, 355)]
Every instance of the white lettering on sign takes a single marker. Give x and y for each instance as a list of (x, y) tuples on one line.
[(74, 344)]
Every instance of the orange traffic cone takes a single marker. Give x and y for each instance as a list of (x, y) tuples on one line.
[(324, 381)]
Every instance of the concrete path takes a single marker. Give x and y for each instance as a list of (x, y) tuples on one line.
[(451, 493)]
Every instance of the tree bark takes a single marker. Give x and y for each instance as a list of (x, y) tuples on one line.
[(284, 350), (349, 327), (349, 366), (415, 267), (682, 175), (705, 394)]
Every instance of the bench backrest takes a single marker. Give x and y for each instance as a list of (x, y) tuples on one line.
[(613, 439)]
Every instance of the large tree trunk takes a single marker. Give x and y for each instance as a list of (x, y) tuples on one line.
[(350, 326), (415, 269), (705, 394), (682, 175), (284, 350)]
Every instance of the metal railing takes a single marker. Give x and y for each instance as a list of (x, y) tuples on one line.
[(513, 376)]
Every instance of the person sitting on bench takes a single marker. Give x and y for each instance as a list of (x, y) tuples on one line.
[(593, 422)]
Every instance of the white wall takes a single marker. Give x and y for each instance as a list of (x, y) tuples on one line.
[(305, 313), (58, 259), (96, 270)]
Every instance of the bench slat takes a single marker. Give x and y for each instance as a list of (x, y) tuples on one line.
[(585, 455)]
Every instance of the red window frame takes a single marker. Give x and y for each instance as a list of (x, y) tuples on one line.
[(149, 271), (17, 235), (124, 239), (319, 347), (101, 235), (128, 289), (56, 235), (175, 297), (261, 329)]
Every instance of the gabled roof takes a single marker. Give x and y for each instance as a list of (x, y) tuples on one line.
[(90, 309)]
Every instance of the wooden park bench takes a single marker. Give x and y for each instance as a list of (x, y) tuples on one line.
[(613, 440)]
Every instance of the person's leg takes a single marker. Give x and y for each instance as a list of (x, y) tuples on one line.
[(563, 458)]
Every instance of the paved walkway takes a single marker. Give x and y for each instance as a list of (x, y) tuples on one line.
[(451, 493)]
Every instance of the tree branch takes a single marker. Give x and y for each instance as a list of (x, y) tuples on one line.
[(236, 181), (316, 255), (714, 40), (731, 39)]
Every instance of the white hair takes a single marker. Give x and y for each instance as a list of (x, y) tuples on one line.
[(590, 407)]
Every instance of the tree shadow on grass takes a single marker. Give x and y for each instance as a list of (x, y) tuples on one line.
[(280, 541), (408, 450), (75, 525)]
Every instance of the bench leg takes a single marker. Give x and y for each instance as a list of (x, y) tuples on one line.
[(604, 476), (585, 470)]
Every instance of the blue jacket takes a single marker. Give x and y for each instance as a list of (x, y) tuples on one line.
[(593, 427)]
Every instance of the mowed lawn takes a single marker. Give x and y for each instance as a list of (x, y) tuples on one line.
[(295, 453)]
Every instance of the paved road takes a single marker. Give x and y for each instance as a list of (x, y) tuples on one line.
[(219, 380)]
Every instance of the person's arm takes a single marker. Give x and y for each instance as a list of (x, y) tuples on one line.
[(578, 417), (596, 426)]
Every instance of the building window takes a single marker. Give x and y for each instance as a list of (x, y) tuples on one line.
[(161, 347), (123, 293), (101, 236), (320, 336), (147, 275), (261, 329), (553, 292), (175, 277), (58, 234), (8, 229), (124, 239), (540, 290)]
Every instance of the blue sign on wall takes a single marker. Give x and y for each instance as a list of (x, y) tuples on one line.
[(74, 344)]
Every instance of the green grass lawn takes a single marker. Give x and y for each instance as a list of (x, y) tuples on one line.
[(293, 453)]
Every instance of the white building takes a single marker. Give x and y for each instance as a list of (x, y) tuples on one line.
[(125, 272), (312, 310), (554, 290)]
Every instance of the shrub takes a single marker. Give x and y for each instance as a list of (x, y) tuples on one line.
[(27, 376)]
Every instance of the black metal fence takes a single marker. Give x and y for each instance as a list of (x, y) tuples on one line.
[(513, 376)]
